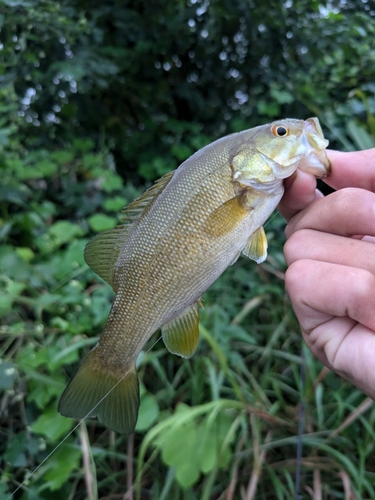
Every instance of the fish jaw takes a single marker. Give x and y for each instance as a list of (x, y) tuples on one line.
[(315, 160)]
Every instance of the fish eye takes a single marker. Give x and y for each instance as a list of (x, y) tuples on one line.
[(279, 130)]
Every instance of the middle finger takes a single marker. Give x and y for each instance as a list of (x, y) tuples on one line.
[(348, 212), (332, 248)]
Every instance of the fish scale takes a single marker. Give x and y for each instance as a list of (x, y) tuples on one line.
[(176, 240)]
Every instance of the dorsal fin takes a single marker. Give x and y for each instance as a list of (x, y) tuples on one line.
[(141, 206), (102, 252)]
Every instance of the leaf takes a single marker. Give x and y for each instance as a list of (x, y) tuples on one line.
[(181, 151), (61, 465), (12, 265), (109, 180), (13, 289), (213, 435), (64, 231), (115, 204), (101, 222), (359, 135), (15, 453), (25, 253), (179, 451), (179, 446), (281, 96), (62, 156), (83, 145), (52, 425), (148, 413)]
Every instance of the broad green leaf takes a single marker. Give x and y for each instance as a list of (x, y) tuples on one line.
[(60, 466), (64, 231), (101, 222), (25, 253), (148, 412), (115, 204), (52, 425), (179, 450)]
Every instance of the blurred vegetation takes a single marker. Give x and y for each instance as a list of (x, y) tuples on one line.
[(97, 100)]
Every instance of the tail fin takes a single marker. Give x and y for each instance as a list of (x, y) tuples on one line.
[(93, 382)]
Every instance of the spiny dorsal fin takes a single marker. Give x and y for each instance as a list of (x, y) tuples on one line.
[(102, 252), (181, 334), (256, 246), (140, 206)]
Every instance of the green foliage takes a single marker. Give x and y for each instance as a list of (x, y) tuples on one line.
[(96, 102)]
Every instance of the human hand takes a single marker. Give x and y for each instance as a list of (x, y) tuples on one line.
[(330, 252)]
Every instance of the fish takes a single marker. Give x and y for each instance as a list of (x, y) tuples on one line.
[(174, 241)]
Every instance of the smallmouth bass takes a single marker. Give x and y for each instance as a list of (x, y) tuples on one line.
[(175, 241)]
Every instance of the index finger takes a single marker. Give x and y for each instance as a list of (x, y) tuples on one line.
[(353, 169), (300, 192)]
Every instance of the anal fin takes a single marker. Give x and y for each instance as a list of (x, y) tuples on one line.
[(181, 334), (256, 246)]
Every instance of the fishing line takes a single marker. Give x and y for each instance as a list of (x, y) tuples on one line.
[(76, 427), (271, 218), (301, 415), (301, 421)]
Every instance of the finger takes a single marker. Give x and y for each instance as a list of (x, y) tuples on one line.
[(347, 348), (320, 290), (336, 317), (347, 212), (300, 191), (353, 169), (325, 247)]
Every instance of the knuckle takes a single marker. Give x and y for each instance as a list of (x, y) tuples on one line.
[(363, 283), (293, 277), (347, 198)]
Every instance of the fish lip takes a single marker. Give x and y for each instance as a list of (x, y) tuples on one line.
[(315, 160), (316, 164)]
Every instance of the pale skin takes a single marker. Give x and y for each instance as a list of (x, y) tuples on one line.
[(330, 251)]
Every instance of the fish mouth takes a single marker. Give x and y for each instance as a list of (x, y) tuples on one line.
[(315, 160)]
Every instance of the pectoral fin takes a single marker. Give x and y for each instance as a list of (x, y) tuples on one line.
[(256, 246), (227, 217), (181, 334)]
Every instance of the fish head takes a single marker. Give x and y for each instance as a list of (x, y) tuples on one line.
[(278, 149), (292, 144)]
